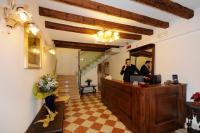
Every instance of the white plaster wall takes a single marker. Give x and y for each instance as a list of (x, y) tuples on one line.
[(177, 52), (116, 62), (67, 61), (180, 56), (92, 74), (18, 106)]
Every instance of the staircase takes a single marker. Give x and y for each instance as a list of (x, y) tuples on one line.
[(67, 86), (93, 64)]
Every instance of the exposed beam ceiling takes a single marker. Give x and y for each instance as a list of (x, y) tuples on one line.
[(92, 21), (81, 30), (83, 46), (92, 5), (169, 6)]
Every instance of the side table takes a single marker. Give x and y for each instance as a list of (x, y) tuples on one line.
[(55, 126), (86, 86)]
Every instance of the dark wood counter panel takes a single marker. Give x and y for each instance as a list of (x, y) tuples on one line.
[(149, 109)]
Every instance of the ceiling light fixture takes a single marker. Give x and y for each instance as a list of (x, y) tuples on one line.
[(107, 36)]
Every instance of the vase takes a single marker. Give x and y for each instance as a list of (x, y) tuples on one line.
[(88, 83), (50, 102)]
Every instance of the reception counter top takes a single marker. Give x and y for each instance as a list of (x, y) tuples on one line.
[(146, 109)]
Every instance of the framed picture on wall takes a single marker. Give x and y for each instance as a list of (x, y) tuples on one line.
[(32, 50)]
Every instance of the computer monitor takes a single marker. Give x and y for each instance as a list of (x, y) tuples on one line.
[(155, 79), (136, 78), (175, 78)]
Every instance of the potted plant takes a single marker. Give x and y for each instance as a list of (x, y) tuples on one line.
[(45, 88), (196, 98), (88, 81)]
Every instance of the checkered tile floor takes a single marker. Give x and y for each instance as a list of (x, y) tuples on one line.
[(89, 115)]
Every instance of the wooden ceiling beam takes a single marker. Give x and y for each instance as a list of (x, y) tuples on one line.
[(142, 53), (92, 21), (83, 46), (63, 27), (90, 45), (170, 6), (99, 7)]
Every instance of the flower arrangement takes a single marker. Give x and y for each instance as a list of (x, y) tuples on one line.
[(45, 86), (88, 81), (196, 97)]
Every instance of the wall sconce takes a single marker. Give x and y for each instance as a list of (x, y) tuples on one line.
[(52, 51), (15, 15), (33, 28), (23, 15), (35, 50)]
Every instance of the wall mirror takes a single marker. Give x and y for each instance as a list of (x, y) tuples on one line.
[(32, 50), (141, 54)]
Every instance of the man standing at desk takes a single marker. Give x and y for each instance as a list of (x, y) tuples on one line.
[(145, 69), (128, 69)]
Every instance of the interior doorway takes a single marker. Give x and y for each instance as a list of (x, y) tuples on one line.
[(88, 65)]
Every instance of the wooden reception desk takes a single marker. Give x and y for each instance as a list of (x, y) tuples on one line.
[(150, 109)]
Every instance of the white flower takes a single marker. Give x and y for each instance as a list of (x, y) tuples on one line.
[(49, 79), (40, 83), (48, 87), (47, 83)]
